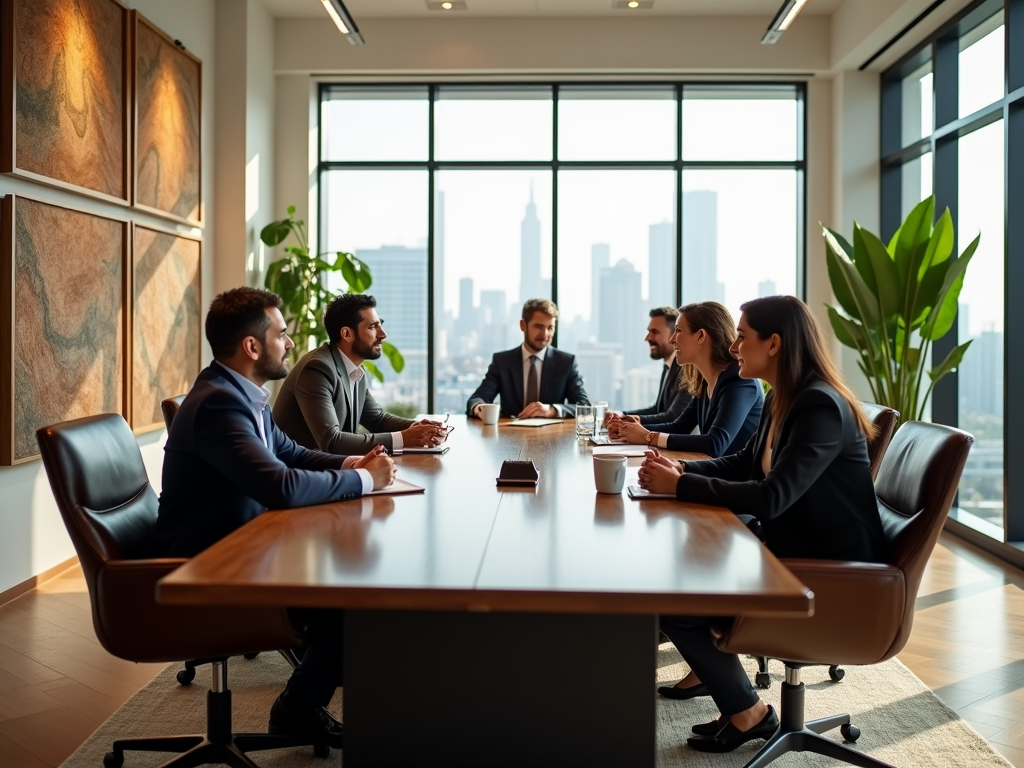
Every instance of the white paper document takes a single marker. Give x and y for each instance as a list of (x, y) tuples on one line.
[(399, 486), (532, 422), (638, 493)]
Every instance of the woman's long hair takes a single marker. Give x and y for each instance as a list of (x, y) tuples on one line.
[(718, 323), (803, 354)]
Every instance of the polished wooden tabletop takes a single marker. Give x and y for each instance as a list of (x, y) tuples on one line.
[(467, 544)]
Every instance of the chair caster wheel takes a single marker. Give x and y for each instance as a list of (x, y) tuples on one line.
[(184, 677), (250, 656), (850, 732), (762, 680), (113, 760), (321, 750), (836, 672)]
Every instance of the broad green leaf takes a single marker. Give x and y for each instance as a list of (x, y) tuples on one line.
[(355, 272), (951, 363), (940, 244), (393, 355), (291, 210), (941, 318), (851, 292), (275, 232), (913, 241), (843, 242), (878, 270), (849, 332), (373, 370)]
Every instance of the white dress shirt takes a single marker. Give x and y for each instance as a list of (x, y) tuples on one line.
[(355, 373)]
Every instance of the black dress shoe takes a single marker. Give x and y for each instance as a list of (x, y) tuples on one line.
[(710, 729), (730, 737), (292, 720), (673, 692)]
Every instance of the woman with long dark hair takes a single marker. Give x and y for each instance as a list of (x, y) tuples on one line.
[(804, 474), (724, 407)]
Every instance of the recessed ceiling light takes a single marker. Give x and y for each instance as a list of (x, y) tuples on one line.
[(340, 16), (446, 5), (633, 4), (787, 12), (630, 5)]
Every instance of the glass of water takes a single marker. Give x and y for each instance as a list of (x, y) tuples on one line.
[(600, 409), (585, 421)]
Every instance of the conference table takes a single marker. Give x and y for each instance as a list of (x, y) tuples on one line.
[(498, 626)]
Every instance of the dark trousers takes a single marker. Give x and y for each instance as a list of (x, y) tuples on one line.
[(320, 672), (722, 673)]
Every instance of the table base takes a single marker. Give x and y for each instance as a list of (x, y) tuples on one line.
[(499, 689)]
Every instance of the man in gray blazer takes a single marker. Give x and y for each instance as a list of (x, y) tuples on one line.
[(325, 397), (671, 399)]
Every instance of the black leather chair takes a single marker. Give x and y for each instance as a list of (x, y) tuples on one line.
[(863, 612), (101, 488), (169, 408), (885, 420)]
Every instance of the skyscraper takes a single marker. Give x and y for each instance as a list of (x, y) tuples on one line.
[(766, 288), (700, 248), (600, 259), (530, 284), (439, 260), (661, 272), (621, 315), (467, 322)]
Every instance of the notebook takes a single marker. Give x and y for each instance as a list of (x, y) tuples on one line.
[(637, 493), (532, 422), (438, 449), (399, 486)]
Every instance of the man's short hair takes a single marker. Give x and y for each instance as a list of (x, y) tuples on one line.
[(236, 314), (671, 314), (346, 312), (539, 305)]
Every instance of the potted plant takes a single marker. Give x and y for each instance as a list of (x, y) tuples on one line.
[(299, 279), (895, 300)]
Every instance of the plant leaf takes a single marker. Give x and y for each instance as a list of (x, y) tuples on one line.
[(848, 332), (355, 272), (951, 363), (913, 240), (940, 320), (878, 269), (275, 232), (393, 355), (373, 370), (851, 292)]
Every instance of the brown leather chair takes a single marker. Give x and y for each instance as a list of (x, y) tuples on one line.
[(885, 421), (169, 408), (110, 509), (863, 612)]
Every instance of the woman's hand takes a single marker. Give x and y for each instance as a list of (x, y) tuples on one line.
[(628, 431), (658, 474)]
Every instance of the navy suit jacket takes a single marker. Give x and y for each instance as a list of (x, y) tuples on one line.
[(818, 500), (560, 383), (218, 474), (726, 420)]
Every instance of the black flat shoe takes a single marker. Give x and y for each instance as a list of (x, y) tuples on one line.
[(315, 722), (710, 729), (672, 692), (730, 737)]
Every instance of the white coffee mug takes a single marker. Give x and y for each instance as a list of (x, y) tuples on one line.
[(609, 473), (489, 413)]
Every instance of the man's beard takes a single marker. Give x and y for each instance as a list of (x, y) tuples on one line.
[(271, 370), (365, 351), (657, 353)]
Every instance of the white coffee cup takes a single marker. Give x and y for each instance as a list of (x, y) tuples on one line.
[(609, 473), (489, 413)]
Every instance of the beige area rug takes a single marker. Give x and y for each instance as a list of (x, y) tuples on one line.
[(901, 720)]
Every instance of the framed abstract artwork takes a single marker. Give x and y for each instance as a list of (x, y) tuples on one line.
[(63, 301), (166, 320), (167, 120), (65, 93)]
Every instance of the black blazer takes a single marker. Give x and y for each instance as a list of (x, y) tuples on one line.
[(671, 399), (818, 500), (560, 383), (218, 474), (726, 420)]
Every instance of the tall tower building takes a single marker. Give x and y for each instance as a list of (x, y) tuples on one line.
[(600, 259), (700, 248), (530, 284), (766, 288), (621, 316), (661, 271), (439, 260)]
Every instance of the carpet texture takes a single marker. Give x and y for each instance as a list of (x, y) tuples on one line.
[(901, 720)]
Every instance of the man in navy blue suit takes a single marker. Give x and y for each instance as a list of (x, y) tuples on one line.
[(534, 379), (225, 462)]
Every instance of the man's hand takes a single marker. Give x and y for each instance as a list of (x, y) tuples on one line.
[(379, 465), (535, 410), (424, 433)]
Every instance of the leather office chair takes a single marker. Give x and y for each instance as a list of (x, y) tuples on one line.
[(109, 508), (863, 612), (169, 408), (885, 421)]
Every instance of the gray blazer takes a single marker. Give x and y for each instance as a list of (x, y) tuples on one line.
[(314, 407)]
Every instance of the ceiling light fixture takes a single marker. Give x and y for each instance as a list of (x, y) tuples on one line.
[(633, 4), (447, 5), (340, 16), (782, 20)]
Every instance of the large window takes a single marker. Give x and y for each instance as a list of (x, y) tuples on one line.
[(953, 125), (609, 199)]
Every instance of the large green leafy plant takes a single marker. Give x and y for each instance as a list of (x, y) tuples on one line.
[(299, 279), (895, 300)]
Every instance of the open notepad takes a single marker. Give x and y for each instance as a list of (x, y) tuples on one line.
[(399, 486), (439, 449), (532, 422), (638, 493)]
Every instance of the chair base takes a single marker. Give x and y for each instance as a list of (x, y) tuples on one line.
[(795, 735), (763, 680)]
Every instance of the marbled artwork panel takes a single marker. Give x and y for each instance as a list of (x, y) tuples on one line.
[(167, 92), (71, 92), (69, 270), (166, 317)]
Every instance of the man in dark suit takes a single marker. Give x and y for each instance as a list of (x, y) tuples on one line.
[(326, 396), (671, 399), (225, 462), (534, 379)]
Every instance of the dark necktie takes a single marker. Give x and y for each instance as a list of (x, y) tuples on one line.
[(661, 387), (533, 382)]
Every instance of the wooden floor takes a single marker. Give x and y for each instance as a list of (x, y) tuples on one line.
[(57, 684)]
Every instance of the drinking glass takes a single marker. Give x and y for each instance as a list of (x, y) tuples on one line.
[(585, 422)]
